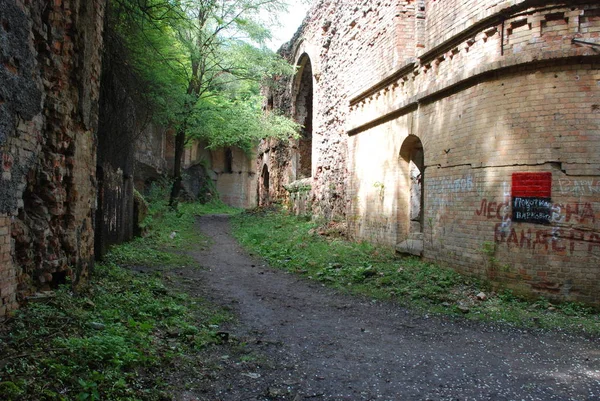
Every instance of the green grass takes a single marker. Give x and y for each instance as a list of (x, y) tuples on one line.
[(115, 341), (169, 234), (294, 244), (119, 337)]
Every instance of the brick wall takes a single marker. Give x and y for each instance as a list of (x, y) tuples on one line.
[(7, 274), (497, 88), (49, 83)]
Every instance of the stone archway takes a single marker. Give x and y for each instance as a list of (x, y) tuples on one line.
[(303, 114), (412, 159)]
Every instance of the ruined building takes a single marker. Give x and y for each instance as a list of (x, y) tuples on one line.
[(463, 131), (49, 73), (229, 173)]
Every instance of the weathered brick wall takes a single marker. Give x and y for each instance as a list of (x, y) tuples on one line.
[(351, 45), (448, 18), (497, 88), (49, 81)]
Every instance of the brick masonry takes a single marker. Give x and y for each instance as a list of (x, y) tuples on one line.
[(489, 89), (49, 85)]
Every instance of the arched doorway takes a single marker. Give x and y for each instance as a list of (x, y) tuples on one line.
[(303, 114), (264, 187), (412, 159)]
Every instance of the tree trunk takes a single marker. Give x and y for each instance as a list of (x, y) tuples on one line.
[(179, 149)]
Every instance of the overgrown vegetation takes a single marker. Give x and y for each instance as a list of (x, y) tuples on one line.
[(201, 63), (120, 338), (303, 247), (169, 232)]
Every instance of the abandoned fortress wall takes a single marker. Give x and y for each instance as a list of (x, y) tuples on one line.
[(464, 131), (49, 88)]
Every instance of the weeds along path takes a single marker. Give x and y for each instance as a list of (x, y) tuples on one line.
[(297, 340)]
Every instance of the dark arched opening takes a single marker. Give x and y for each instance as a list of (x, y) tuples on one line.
[(412, 197), (303, 113), (412, 154)]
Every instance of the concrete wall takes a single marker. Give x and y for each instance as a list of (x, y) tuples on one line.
[(490, 90), (235, 177), (229, 171), (49, 89)]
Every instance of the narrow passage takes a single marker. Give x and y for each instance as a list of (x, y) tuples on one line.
[(311, 343)]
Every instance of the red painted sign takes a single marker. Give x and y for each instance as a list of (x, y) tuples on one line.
[(532, 185), (531, 197)]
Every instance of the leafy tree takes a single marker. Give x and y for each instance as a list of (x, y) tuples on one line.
[(203, 61)]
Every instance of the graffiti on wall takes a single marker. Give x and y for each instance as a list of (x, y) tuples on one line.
[(446, 191), (578, 187), (531, 197), (556, 239)]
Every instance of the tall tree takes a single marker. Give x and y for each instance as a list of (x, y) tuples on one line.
[(203, 60), (224, 42)]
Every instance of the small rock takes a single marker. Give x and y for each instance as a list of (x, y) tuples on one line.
[(481, 296), (173, 235), (97, 326), (173, 333), (463, 309), (276, 392), (223, 336)]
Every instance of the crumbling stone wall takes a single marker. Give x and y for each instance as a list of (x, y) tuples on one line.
[(49, 82), (502, 97), (235, 176)]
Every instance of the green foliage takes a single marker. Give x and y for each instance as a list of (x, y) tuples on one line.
[(110, 342), (202, 63), (226, 120), (294, 244), (116, 340), (170, 232)]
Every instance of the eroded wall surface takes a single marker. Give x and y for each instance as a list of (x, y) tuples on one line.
[(501, 97), (49, 85), (234, 173)]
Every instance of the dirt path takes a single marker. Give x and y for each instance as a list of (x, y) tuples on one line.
[(306, 342)]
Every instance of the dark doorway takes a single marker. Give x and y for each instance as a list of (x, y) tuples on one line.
[(228, 161), (304, 115), (413, 155)]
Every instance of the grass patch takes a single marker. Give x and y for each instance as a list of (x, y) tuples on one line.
[(115, 341), (294, 244), (120, 337), (169, 234)]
